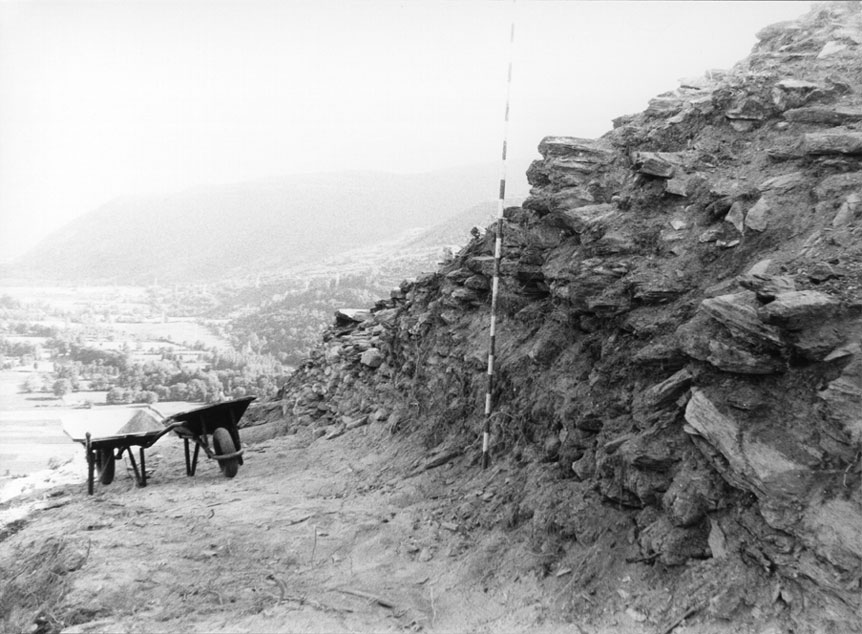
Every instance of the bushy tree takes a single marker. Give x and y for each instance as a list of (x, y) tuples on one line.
[(61, 387), (179, 392), (118, 395)]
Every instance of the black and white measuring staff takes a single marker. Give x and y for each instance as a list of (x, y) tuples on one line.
[(498, 249)]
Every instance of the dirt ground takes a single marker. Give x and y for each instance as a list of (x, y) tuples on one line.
[(313, 535)]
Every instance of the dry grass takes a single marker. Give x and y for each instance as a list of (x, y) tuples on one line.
[(34, 585)]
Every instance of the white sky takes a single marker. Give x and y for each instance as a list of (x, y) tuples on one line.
[(100, 99)]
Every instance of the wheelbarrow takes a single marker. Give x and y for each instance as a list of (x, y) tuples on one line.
[(109, 433), (218, 421)]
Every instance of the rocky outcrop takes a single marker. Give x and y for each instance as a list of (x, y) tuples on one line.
[(679, 330)]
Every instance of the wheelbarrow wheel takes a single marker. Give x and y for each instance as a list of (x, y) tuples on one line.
[(106, 464), (224, 445)]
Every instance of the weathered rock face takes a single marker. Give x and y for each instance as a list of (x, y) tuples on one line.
[(679, 328)]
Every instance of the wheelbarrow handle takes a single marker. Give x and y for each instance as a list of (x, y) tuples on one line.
[(168, 429)]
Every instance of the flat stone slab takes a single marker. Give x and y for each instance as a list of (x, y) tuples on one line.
[(752, 465), (661, 164), (795, 310), (739, 314), (824, 116), (354, 315), (585, 149), (846, 142)]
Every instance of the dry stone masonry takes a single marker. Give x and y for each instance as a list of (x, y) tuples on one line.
[(680, 337)]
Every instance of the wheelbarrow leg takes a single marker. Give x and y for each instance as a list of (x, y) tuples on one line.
[(91, 459), (134, 466), (195, 458), (188, 463), (143, 482)]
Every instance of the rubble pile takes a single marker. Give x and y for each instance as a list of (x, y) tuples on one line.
[(680, 334)]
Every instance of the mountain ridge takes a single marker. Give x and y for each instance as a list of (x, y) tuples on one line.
[(213, 232)]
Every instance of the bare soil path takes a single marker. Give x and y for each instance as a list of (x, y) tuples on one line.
[(311, 536), (364, 532)]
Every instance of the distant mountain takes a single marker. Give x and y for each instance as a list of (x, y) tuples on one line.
[(213, 233)]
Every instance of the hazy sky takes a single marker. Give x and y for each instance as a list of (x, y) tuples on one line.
[(100, 99)]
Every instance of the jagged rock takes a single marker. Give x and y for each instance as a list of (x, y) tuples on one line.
[(848, 211), (761, 267), (623, 482), (583, 218), (656, 289), (585, 467), (674, 545), (648, 452), (757, 217), (661, 355), (824, 116), (736, 216), (842, 399), (667, 392), (551, 448), (458, 275), (822, 272), (844, 142), (346, 316), (481, 264), (760, 467), (548, 345), (371, 358), (590, 150), (526, 273), (660, 164), (612, 243), (710, 235), (465, 296), (590, 421), (751, 109), (782, 183), (793, 93), (831, 48), (796, 310), (695, 490), (815, 344), (677, 185), (562, 200), (766, 287), (610, 302), (664, 106), (693, 337), (738, 312), (477, 283), (386, 316), (573, 169), (736, 359), (542, 237)]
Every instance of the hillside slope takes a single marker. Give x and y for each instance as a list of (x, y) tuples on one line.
[(209, 233), (679, 362)]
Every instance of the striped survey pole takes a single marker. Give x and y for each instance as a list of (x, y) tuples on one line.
[(498, 249)]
